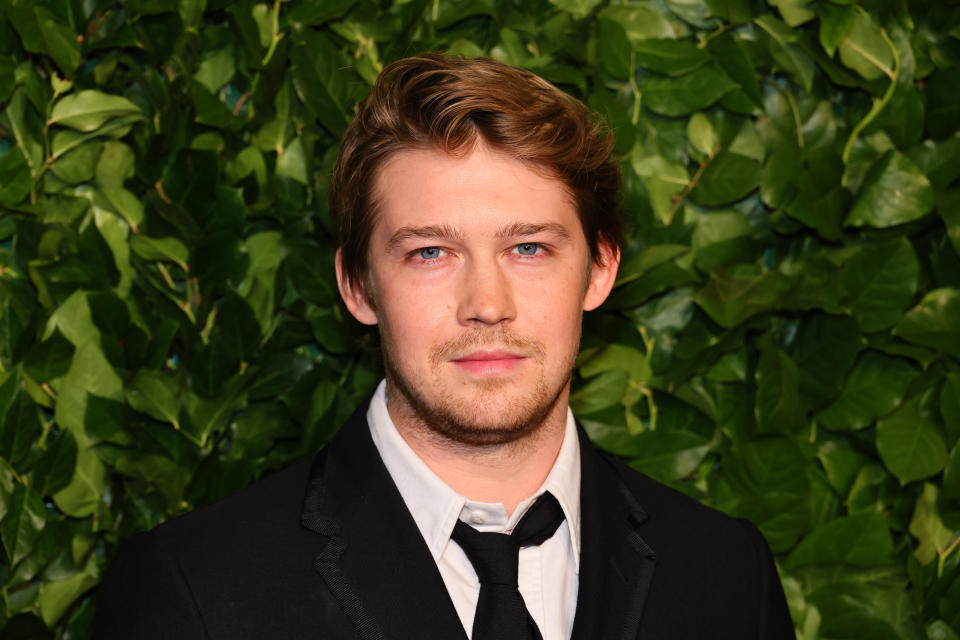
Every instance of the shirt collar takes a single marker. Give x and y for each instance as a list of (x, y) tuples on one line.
[(436, 507)]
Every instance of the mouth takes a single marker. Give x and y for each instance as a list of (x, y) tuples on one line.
[(489, 362)]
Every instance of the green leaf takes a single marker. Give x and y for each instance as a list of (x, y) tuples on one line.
[(928, 528), (895, 192), (859, 609), (694, 12), (56, 597), (66, 139), (617, 357), (701, 134), (669, 455), (320, 86), (669, 56), (635, 266), (864, 49), (841, 464), (818, 206), (27, 130), (780, 177), (614, 53), (764, 481), (794, 12), (663, 180), (216, 70), (19, 428), (825, 348), (687, 93), (155, 394), (79, 164), (82, 496), (267, 252), (789, 55), (171, 249), (237, 326), (273, 136), (191, 12), (49, 359), (14, 177), (606, 390), (933, 322), (55, 466), (731, 297), (835, 22), (862, 539), (948, 206), (21, 526), (123, 203), (876, 386), (733, 10), (911, 445), (90, 109), (639, 21), (657, 280), (729, 53), (114, 231), (293, 162), (316, 13), (778, 386), (728, 178), (881, 281), (61, 42), (115, 165), (578, 8)]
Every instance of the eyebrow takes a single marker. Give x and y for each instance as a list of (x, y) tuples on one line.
[(451, 234), (428, 232), (529, 229)]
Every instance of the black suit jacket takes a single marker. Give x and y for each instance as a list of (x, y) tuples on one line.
[(327, 549)]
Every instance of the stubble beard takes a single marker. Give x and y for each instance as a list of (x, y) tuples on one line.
[(462, 422)]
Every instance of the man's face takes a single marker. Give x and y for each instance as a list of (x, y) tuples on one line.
[(478, 276)]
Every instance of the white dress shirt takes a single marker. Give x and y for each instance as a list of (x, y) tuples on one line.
[(548, 573)]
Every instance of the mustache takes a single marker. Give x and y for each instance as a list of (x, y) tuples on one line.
[(496, 338)]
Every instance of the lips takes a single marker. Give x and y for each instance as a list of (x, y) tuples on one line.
[(489, 362)]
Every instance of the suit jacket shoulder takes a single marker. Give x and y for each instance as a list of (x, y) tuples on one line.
[(238, 568), (715, 576)]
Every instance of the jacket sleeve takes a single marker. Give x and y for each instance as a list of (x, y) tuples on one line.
[(774, 622), (146, 596)]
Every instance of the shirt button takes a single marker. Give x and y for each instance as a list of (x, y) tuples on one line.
[(477, 519)]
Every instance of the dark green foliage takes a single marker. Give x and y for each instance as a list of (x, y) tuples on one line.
[(783, 342)]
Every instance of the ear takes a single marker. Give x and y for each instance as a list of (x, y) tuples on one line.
[(602, 277), (354, 295)]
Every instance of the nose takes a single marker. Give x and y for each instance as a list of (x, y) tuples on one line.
[(486, 295)]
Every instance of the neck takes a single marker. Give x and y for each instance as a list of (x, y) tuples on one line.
[(507, 472)]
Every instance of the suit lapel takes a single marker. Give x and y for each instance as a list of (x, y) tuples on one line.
[(616, 565), (375, 562)]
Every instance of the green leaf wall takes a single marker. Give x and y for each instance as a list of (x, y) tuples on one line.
[(783, 342)]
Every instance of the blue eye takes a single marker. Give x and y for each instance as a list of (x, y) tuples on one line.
[(430, 253), (528, 248)]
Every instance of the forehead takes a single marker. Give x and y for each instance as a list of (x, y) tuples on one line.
[(482, 187)]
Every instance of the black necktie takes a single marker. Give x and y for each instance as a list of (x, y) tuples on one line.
[(501, 613)]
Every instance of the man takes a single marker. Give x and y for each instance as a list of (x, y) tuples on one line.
[(476, 210)]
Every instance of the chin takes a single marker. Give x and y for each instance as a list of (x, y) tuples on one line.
[(487, 412)]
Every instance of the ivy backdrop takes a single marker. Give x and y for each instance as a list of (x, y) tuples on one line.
[(783, 342)]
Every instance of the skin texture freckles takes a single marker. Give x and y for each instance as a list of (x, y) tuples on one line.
[(479, 274)]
